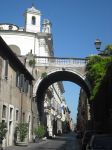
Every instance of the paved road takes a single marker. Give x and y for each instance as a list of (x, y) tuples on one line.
[(65, 142)]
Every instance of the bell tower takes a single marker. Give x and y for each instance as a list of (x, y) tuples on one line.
[(32, 20)]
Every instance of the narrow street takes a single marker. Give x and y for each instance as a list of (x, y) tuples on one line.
[(64, 142)]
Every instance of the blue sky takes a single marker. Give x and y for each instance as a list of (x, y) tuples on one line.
[(75, 26)]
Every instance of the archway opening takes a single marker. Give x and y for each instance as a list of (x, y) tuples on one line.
[(54, 77), (71, 94)]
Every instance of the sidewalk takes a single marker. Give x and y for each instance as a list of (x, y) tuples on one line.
[(33, 145)]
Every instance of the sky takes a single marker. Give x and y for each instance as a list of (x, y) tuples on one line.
[(75, 26)]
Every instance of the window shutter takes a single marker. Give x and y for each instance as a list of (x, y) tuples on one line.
[(21, 81), (26, 86), (17, 79), (6, 69)]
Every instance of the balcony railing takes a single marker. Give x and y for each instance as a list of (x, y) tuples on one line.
[(62, 61)]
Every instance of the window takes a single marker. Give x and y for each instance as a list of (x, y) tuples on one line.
[(11, 111), (4, 112), (23, 117), (5, 69), (33, 20), (3, 121), (26, 83), (21, 81), (17, 115), (17, 79)]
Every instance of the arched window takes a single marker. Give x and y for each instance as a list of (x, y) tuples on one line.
[(33, 20)]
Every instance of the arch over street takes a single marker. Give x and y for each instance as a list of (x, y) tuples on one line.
[(56, 75)]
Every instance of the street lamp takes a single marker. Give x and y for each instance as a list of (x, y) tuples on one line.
[(105, 52), (97, 44)]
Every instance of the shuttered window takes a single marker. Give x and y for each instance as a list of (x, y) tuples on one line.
[(6, 69), (17, 79), (26, 83), (4, 111), (17, 115), (21, 81)]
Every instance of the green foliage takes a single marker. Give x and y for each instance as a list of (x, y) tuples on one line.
[(96, 68), (40, 131), (22, 131), (3, 129), (32, 62), (108, 50), (44, 74)]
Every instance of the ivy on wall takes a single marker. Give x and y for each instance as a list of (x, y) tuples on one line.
[(96, 71)]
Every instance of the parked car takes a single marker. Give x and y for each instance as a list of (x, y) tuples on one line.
[(87, 136), (100, 142)]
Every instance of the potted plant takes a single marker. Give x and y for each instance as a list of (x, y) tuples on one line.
[(39, 133), (22, 132), (3, 131)]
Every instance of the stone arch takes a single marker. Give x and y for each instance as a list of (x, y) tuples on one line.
[(74, 72), (55, 76)]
